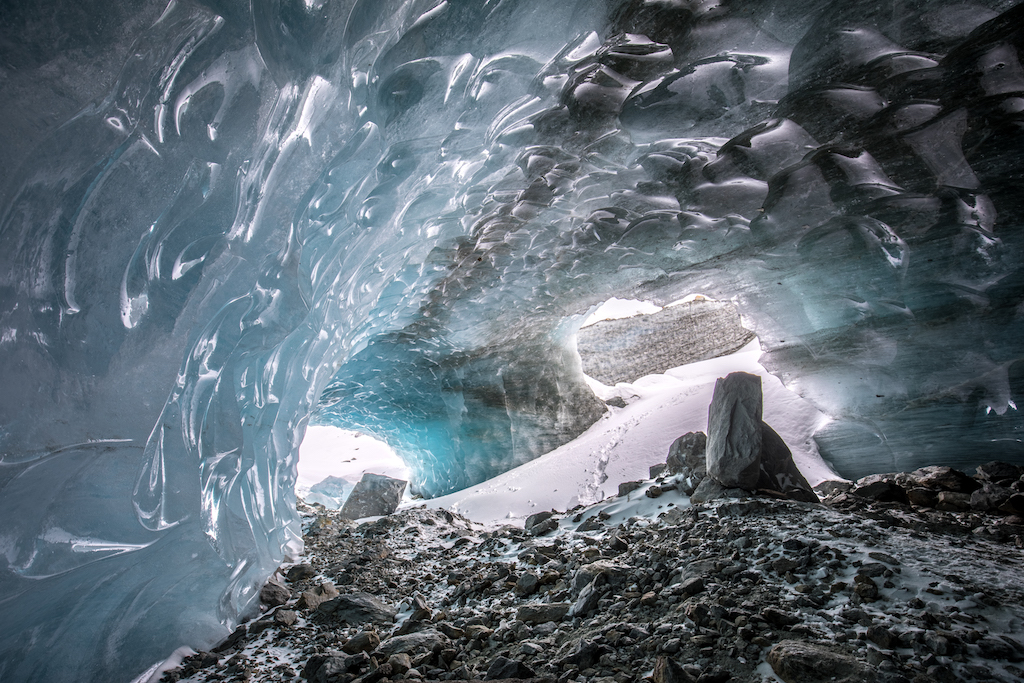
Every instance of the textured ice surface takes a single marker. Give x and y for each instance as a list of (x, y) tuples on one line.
[(413, 205)]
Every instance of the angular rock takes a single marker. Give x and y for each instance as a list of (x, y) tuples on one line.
[(627, 487), (421, 641), (364, 641), (399, 663), (953, 501), (778, 470), (798, 662), (708, 490), (586, 601), (527, 584), (943, 478), (880, 487), (300, 572), (668, 671), (999, 472), (989, 497), (1014, 505), (315, 596), (329, 666), (585, 655), (540, 613), (273, 594), (358, 608), (588, 573), (286, 617), (503, 667), (687, 455), (922, 497), (536, 518), (734, 431), (373, 496)]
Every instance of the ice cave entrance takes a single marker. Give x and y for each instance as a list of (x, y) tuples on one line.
[(332, 460)]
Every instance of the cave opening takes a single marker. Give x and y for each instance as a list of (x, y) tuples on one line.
[(332, 460)]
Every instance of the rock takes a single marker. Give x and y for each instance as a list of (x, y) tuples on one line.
[(527, 584), (881, 636), (421, 641), (587, 600), (778, 618), (585, 655), (587, 573), (691, 586), (312, 598), (668, 671), (236, 637), (364, 641), (999, 472), (799, 662), (655, 471), (329, 666), (880, 487), (286, 617), (989, 497), (734, 431), (358, 608), (627, 487), (951, 501), (475, 631), (539, 613), (541, 528), (922, 497), (778, 470), (865, 587), (374, 495), (400, 663), (503, 667), (708, 490), (1014, 505), (687, 455), (943, 478), (273, 594), (831, 487), (537, 518), (300, 572)]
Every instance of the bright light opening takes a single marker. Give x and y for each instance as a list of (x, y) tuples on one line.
[(333, 460)]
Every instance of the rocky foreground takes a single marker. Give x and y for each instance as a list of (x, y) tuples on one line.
[(897, 578)]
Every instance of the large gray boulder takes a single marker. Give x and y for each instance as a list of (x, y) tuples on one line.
[(742, 451), (374, 495), (734, 431)]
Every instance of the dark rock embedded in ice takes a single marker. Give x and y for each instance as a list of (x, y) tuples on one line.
[(374, 495)]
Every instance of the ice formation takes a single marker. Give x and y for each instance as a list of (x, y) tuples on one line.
[(393, 215)]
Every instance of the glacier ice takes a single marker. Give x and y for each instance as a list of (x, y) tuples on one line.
[(221, 219)]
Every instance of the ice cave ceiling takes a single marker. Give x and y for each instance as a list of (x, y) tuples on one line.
[(221, 218)]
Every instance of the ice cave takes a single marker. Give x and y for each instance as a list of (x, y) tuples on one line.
[(222, 221)]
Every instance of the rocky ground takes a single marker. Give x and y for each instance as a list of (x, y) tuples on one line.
[(909, 577)]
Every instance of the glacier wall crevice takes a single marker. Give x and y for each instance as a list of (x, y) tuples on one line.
[(393, 216)]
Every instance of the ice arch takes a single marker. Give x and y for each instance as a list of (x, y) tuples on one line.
[(394, 215)]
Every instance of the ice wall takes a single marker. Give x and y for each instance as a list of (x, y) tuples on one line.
[(392, 215)]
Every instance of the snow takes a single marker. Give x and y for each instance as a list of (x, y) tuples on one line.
[(623, 444), (328, 451)]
